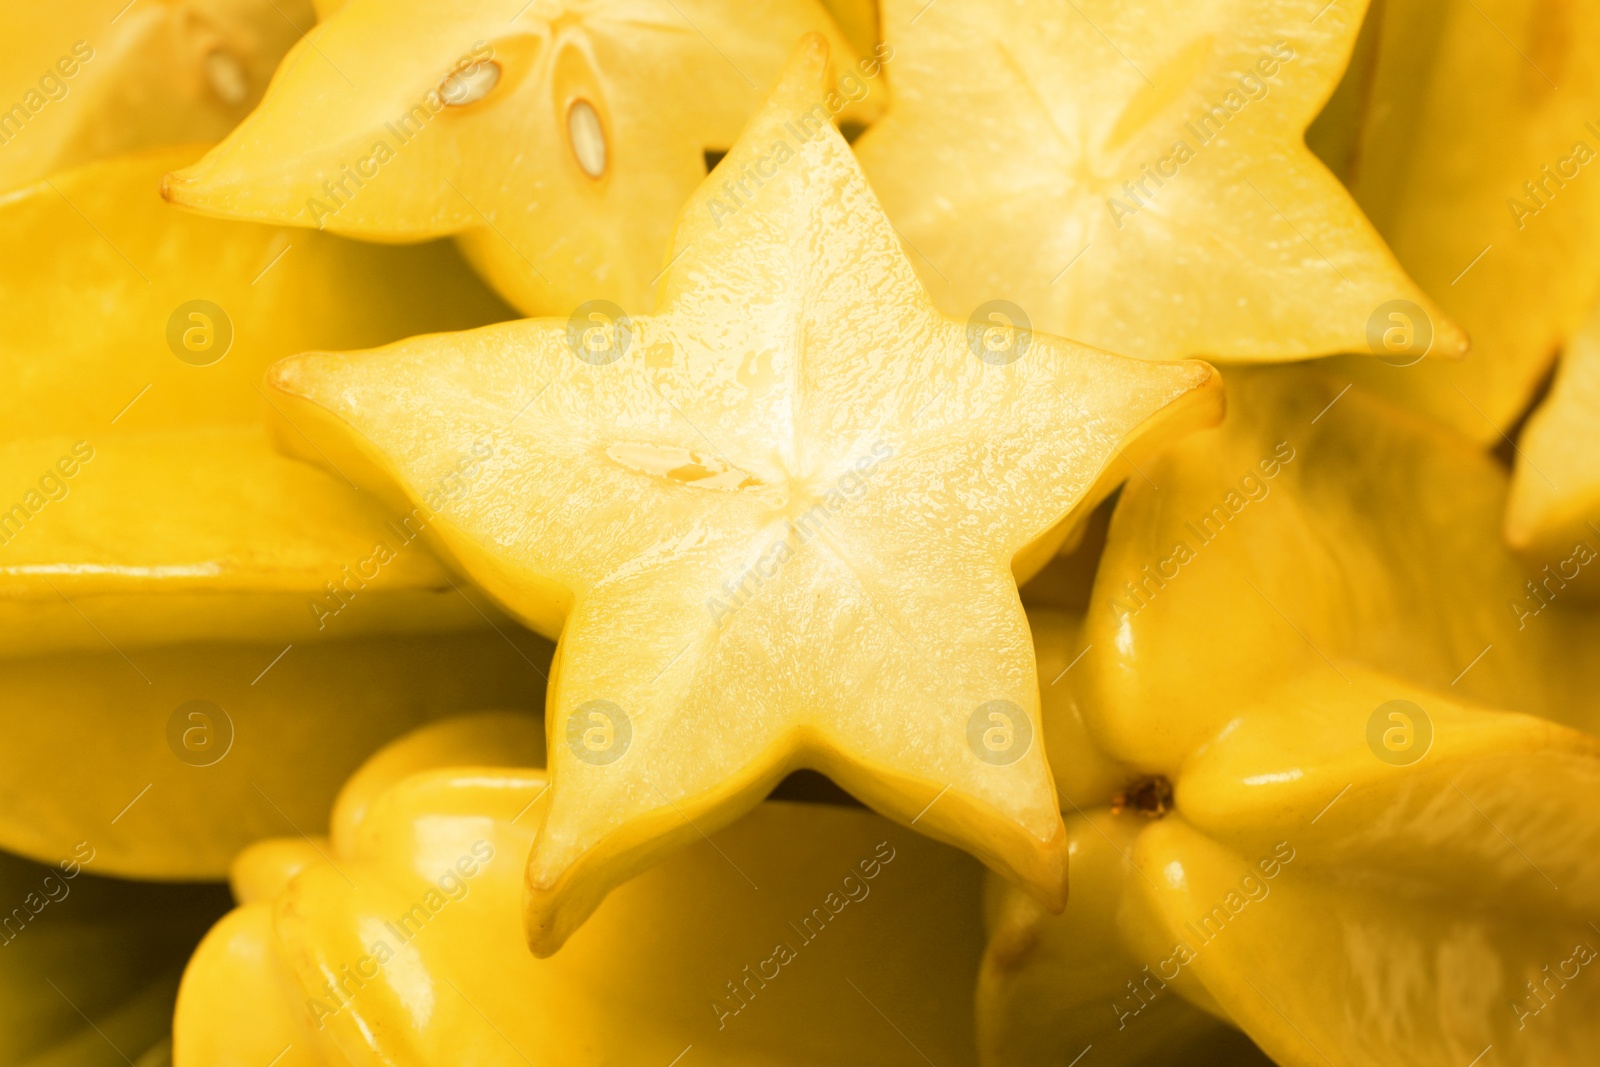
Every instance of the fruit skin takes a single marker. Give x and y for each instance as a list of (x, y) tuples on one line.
[(55, 1009), (98, 79), (628, 496), (292, 734), (1345, 886), (1463, 117), (1353, 548), (135, 481), (154, 551), (640, 983), (1555, 490), (1059, 157), (331, 147)]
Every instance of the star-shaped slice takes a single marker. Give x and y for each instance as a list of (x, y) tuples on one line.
[(1136, 176), (558, 138), (780, 521), (93, 79), (1475, 160), (1555, 492)]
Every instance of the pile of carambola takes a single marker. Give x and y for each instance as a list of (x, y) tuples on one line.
[(791, 532)]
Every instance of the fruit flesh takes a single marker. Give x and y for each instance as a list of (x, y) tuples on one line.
[(837, 417), (98, 78), (350, 107), (641, 982), (1555, 491), (1469, 165), (1060, 157)]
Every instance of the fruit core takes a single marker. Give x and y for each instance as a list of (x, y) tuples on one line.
[(1150, 796)]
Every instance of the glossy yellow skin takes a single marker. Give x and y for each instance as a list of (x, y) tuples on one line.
[(1464, 106), (1374, 910), (549, 226), (626, 500), (639, 984), (58, 918), (155, 550), (1555, 492), (1015, 126), (101, 78)]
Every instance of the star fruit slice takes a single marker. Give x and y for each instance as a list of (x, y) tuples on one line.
[(558, 138), (55, 1009), (398, 942), (778, 525), (1133, 177), (1479, 162), (1555, 492), (1424, 890), (1317, 528), (857, 19), (136, 487), (91, 79)]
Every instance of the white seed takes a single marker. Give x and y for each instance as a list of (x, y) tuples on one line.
[(470, 84), (227, 77), (588, 138)]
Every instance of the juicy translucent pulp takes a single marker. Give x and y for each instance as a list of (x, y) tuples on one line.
[(99, 78), (1113, 168), (1476, 162), (350, 139), (779, 528)]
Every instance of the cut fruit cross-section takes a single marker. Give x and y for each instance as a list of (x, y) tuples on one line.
[(782, 521), (1136, 176), (558, 138)]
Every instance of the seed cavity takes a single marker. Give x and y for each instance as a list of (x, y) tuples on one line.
[(227, 77), (1150, 796), (588, 138), (681, 465), (470, 84)]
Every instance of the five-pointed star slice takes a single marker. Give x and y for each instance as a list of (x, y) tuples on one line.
[(557, 138), (782, 520), (1115, 168)]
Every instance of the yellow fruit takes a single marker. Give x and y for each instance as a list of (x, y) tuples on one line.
[(858, 20), (1316, 529), (90, 966), (1343, 895), (1555, 493), (398, 942), (1479, 162), (1303, 792), (135, 487), (558, 139), (173, 758), (781, 521), (155, 552), (88, 79), (1134, 177)]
